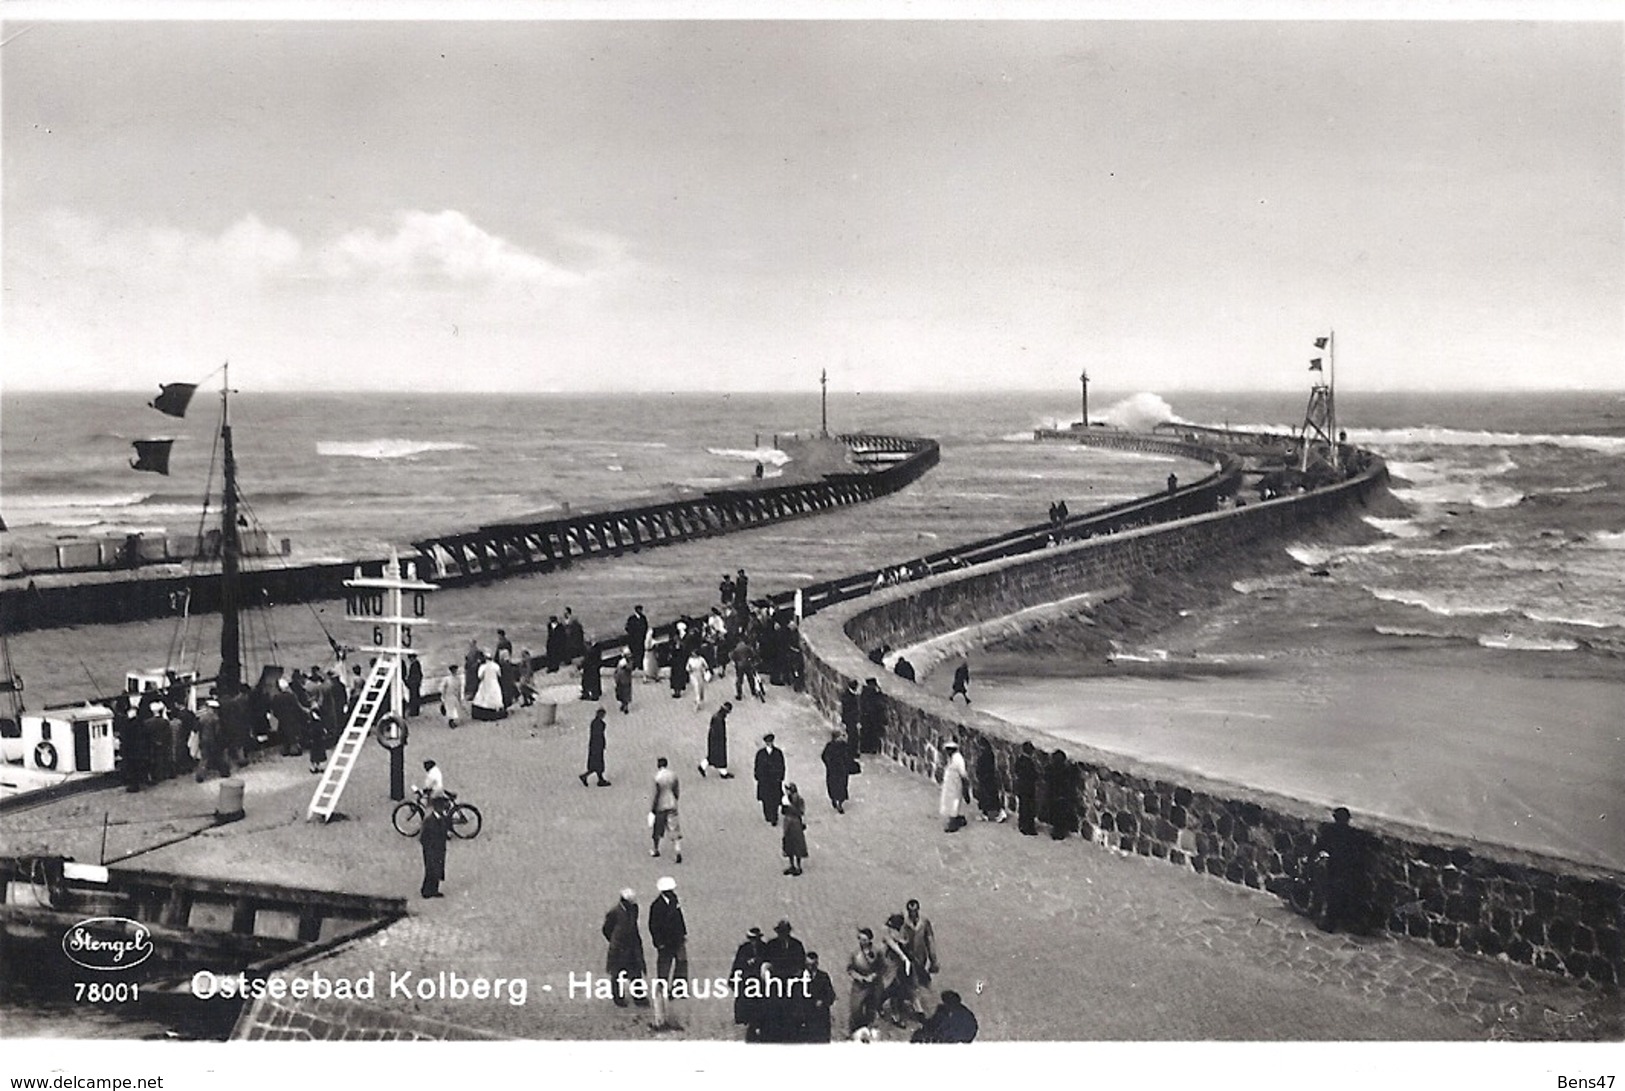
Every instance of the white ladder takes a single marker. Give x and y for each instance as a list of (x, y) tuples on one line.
[(374, 697)]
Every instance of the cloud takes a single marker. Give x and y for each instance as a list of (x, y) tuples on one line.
[(428, 250), (445, 247)]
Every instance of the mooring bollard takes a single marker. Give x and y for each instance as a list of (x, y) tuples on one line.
[(230, 805)]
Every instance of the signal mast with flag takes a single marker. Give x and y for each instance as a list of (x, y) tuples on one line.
[(1318, 438)]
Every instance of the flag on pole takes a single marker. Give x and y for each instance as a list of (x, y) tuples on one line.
[(1314, 365), (151, 455), (173, 398), (1320, 342)]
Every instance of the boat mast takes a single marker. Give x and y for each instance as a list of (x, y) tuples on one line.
[(231, 665)]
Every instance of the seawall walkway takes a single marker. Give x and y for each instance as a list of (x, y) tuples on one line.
[(1047, 942)]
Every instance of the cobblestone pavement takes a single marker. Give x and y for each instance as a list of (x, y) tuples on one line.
[(1046, 941)]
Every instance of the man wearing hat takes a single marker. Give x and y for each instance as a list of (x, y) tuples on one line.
[(624, 964), (786, 959), (770, 778), (210, 743), (955, 788), (747, 967), (669, 933)]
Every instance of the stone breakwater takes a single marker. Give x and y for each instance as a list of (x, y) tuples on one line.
[(1485, 899)]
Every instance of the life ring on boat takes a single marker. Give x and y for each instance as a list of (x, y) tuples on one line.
[(45, 756), (390, 732)]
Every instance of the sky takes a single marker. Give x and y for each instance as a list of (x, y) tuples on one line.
[(594, 204)]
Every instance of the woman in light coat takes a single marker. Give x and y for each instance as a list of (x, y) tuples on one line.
[(488, 697), (955, 789)]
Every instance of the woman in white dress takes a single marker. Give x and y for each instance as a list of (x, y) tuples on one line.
[(487, 703)]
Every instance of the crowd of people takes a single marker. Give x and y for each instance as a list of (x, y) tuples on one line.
[(782, 991)]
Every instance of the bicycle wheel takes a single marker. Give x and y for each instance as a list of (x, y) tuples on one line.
[(465, 821), (408, 818)]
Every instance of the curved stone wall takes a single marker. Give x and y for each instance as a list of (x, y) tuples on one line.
[(1487, 899)]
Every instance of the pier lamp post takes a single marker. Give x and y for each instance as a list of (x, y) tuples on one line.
[(1084, 420), (823, 403)]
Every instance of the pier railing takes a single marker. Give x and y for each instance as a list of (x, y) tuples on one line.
[(504, 549)]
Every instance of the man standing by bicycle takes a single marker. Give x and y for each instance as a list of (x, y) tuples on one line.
[(432, 839)]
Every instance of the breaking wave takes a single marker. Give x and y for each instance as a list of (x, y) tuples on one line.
[(1435, 604), (1566, 490), (1478, 494), (1514, 642), (1395, 528), (385, 448), (1607, 539), (768, 456), (45, 501), (1451, 437), (1139, 413)]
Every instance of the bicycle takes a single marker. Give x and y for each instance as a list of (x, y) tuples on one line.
[(407, 818)]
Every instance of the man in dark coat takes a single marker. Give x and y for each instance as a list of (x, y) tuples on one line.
[(786, 960), (554, 648), (472, 659), (849, 714), (1063, 796), (669, 934), (951, 1022), (595, 750), (769, 779), (624, 963), (290, 718), (414, 685), (742, 592), (871, 717), (716, 742), (1342, 850), (837, 759), (819, 1002), (432, 839), (637, 635), (1025, 777), (961, 683), (989, 796), (747, 967), (592, 678), (132, 750), (575, 638), (903, 669)]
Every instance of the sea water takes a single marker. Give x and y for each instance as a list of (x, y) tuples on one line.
[(1496, 566)]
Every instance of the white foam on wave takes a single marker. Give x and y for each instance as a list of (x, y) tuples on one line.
[(1139, 412), (385, 448), (1517, 643), (765, 455), (1456, 551), (1395, 528), (1607, 539), (1434, 603), (1378, 438), (52, 501), (1310, 556), (1570, 490), (1478, 494), (1400, 630), (1564, 619), (1265, 583)]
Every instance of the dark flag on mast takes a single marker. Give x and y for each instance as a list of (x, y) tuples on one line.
[(152, 455), (1314, 365), (173, 398), (1320, 342)]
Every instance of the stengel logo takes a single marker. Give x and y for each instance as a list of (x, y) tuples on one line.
[(108, 943)]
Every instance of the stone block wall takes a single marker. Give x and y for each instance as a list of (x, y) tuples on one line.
[(1485, 899)]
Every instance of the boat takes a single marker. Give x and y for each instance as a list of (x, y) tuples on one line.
[(59, 746), (128, 938)]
